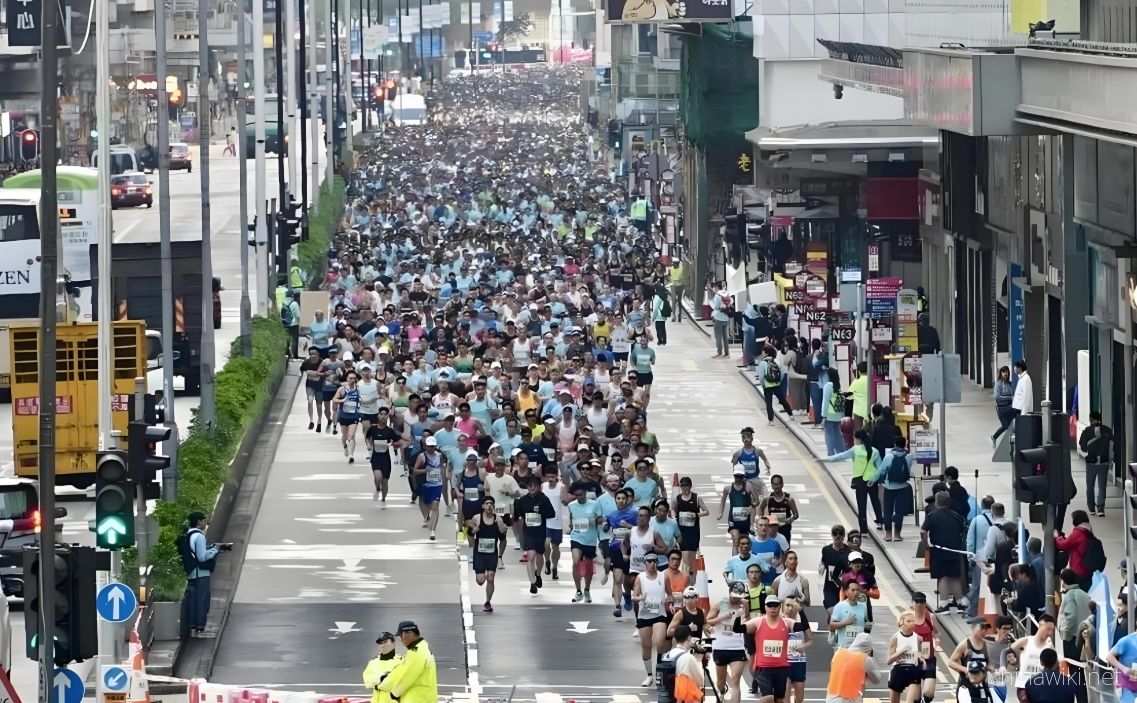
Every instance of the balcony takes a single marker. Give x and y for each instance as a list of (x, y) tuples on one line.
[(1079, 87)]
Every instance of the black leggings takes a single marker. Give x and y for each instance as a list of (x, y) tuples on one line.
[(865, 494)]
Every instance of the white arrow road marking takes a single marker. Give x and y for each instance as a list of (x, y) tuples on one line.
[(343, 628), (351, 565), (580, 627)]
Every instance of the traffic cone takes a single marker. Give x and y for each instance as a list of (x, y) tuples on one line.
[(139, 687), (702, 584)]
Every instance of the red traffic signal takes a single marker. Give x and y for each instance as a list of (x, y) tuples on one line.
[(29, 144)]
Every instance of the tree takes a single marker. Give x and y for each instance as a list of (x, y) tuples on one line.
[(516, 28)]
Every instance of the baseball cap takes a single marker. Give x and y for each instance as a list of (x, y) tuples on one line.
[(738, 588), (690, 592), (430, 442), (348, 356), (856, 556), (772, 600), (739, 470), (383, 330)]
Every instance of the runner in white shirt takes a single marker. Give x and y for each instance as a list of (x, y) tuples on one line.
[(368, 400), (554, 526), (503, 488)]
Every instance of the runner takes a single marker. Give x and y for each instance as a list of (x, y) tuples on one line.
[(651, 620), (641, 545), (584, 519), (779, 505), (382, 438), (434, 472), (742, 498), (848, 617), (729, 649), (534, 511), (313, 387), (801, 639), (748, 456), (346, 400), (554, 526), (771, 665), (619, 524), (688, 508), (907, 673), (504, 489), (486, 530)]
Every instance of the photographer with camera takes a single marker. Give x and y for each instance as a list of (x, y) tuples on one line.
[(199, 559), (681, 671)]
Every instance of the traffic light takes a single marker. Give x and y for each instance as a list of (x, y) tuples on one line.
[(615, 129), (145, 461), (114, 500), (1042, 471), (33, 607), (80, 620), (29, 145)]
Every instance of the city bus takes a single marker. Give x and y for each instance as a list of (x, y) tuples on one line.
[(78, 191)]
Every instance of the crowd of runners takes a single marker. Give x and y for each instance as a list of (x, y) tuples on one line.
[(497, 305)]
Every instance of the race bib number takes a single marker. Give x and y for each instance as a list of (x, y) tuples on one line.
[(651, 609), (471, 494), (637, 563), (501, 509), (851, 632), (687, 519), (772, 648), (381, 446), (487, 545), (925, 650), (796, 642), (532, 519), (434, 476), (739, 514), (550, 454), (580, 524), (751, 467), (621, 532)]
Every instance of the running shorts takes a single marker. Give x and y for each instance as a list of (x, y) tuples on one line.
[(641, 623), (555, 534), (531, 544), (587, 551), (430, 494), (370, 418), (722, 657), (903, 676), (772, 681)]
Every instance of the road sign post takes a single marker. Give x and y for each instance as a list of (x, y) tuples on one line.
[(66, 687), (116, 602)]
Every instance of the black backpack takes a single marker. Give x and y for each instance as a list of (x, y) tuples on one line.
[(773, 374), (665, 307), (898, 471), (802, 362), (189, 560), (1094, 559)]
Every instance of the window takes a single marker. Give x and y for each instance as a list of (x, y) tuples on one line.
[(18, 223), (16, 502)]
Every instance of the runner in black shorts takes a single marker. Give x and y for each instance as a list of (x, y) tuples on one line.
[(383, 439), (485, 531)]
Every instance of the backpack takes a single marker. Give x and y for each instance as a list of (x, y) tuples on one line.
[(801, 363), (665, 307), (286, 316), (898, 469), (773, 374), (1094, 559), (837, 403), (189, 560)]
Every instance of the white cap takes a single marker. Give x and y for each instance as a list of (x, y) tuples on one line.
[(739, 470), (516, 451), (471, 454), (430, 442), (495, 365), (383, 330), (348, 356), (364, 367), (855, 556)]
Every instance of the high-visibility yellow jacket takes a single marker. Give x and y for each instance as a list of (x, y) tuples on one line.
[(377, 670), (415, 678)]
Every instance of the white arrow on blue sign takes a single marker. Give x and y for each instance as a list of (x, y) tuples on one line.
[(116, 679), (66, 687), (116, 602)]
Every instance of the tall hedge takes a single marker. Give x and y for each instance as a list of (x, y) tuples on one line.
[(323, 221)]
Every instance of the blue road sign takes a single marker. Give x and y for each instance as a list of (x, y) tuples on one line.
[(483, 37), (66, 687), (116, 602), (116, 679)]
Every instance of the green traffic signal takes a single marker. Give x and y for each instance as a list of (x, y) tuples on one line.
[(114, 504)]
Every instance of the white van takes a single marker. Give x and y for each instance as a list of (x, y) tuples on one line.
[(408, 109), (123, 159)]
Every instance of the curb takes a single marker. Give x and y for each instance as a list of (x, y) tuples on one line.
[(953, 626)]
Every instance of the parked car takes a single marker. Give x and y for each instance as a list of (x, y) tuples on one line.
[(20, 524), (180, 157), (131, 189)]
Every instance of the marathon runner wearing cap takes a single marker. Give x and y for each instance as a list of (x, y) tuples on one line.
[(431, 466)]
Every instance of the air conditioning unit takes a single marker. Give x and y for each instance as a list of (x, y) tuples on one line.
[(143, 5)]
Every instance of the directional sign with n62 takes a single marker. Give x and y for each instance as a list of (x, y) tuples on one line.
[(116, 602)]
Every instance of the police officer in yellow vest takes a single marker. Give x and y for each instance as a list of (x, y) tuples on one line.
[(415, 678), (640, 214), (296, 277), (866, 465), (379, 667)]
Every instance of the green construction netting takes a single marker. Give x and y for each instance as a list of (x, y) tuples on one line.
[(718, 89)]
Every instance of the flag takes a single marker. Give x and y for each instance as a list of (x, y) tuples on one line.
[(1103, 612)]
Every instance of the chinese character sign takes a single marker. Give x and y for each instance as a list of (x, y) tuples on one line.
[(23, 22), (669, 10)]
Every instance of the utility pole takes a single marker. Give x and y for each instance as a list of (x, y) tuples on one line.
[(300, 83), (366, 66), (261, 234), (49, 264), (421, 48), (312, 99), (208, 409), (1048, 546), (106, 227), (278, 48), (399, 27), (243, 165), (330, 114), (343, 53), (291, 86), (165, 252)]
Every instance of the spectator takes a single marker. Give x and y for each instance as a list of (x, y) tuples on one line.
[(960, 502), (943, 532), (1050, 685), (859, 387), (1004, 392), (1095, 443), (1076, 544), (1035, 558), (1027, 597), (1075, 608), (976, 539)]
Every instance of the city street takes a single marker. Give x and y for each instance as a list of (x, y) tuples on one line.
[(327, 569)]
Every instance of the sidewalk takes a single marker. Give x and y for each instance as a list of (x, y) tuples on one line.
[(969, 427)]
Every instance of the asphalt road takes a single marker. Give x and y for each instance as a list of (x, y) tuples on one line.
[(327, 569)]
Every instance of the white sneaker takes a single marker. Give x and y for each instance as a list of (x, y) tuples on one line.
[(351, 447), (648, 681), (604, 579), (383, 505), (376, 496), (345, 453)]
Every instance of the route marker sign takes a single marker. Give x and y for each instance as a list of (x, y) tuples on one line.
[(115, 679), (66, 687), (115, 602)]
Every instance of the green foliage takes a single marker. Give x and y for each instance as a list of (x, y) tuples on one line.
[(244, 388), (515, 28), (323, 222)]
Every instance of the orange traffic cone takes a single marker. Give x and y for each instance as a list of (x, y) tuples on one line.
[(702, 583)]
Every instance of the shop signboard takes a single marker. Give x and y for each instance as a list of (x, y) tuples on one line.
[(629, 11)]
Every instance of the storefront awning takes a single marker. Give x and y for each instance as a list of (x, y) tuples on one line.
[(864, 134)]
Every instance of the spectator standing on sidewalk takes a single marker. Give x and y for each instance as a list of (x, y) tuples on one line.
[(722, 310), (860, 390), (1076, 545), (1074, 610), (817, 363), (1004, 394), (661, 309), (942, 531), (976, 539), (1095, 443), (1023, 400), (771, 373), (866, 466), (833, 411), (677, 276)]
